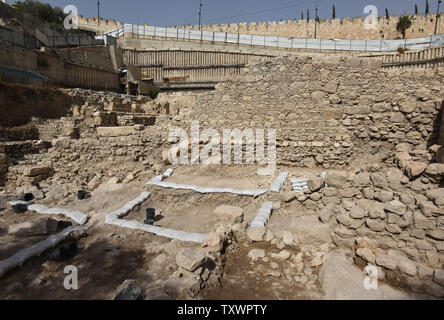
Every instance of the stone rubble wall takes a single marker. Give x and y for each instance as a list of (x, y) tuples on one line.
[(328, 111), (389, 220)]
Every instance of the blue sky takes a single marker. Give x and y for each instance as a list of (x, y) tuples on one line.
[(178, 12)]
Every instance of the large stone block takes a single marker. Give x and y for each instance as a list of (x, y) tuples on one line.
[(36, 171), (115, 131), (190, 259)]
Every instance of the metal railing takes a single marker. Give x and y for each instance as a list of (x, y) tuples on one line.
[(184, 34), (19, 38)]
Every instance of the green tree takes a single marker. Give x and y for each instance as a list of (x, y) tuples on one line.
[(308, 15), (38, 14), (387, 14), (333, 16), (427, 10), (302, 15), (416, 9), (403, 24)]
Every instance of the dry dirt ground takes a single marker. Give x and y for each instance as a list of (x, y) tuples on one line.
[(109, 255)]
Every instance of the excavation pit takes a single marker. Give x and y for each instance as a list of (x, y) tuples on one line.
[(190, 211)]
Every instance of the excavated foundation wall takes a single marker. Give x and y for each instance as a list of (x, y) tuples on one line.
[(328, 111)]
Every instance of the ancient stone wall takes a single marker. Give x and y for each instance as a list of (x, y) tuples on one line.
[(328, 111), (93, 25), (347, 28)]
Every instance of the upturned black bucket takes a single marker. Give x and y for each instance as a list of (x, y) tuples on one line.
[(82, 194), (64, 252), (150, 213), (26, 197), (19, 208)]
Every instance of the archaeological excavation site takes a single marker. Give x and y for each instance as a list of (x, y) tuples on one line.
[(154, 163)]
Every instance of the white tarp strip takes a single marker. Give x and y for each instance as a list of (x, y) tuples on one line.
[(252, 192), (36, 250), (263, 215), (279, 182), (323, 174), (167, 173), (299, 184), (122, 212), (77, 216), (113, 218), (163, 176)]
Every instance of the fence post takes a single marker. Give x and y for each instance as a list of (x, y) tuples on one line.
[(154, 31), (350, 45), (291, 45), (365, 46), (380, 45)]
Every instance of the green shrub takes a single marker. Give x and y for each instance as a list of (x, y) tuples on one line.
[(153, 93), (401, 50)]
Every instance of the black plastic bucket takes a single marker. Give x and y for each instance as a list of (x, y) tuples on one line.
[(150, 213), (82, 194), (26, 197), (19, 208), (64, 252)]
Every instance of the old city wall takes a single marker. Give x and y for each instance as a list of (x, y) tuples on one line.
[(347, 28), (328, 111)]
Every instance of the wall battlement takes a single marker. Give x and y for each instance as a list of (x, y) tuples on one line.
[(92, 24), (345, 28)]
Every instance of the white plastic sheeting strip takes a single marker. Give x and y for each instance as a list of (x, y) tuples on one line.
[(113, 218), (77, 216), (263, 215), (299, 184), (163, 176), (279, 182), (248, 192), (323, 174), (36, 250), (127, 208)]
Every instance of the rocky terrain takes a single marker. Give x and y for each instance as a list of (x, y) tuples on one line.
[(364, 189)]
